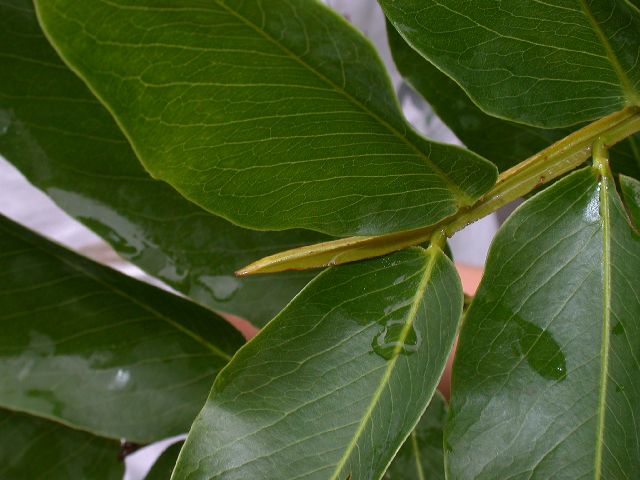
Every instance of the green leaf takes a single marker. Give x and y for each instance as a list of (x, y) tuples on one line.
[(503, 142), (335, 383), (60, 137), (163, 467), (631, 194), (546, 382), (422, 455), (32, 447), (96, 350), (549, 64), (272, 114), (625, 157)]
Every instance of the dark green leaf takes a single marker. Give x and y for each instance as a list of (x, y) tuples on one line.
[(273, 114), (625, 157), (97, 350), (503, 142), (66, 143), (631, 195), (422, 455), (33, 448), (550, 64), (163, 467), (336, 382), (546, 382)]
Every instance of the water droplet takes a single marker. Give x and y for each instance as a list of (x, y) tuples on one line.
[(50, 402), (120, 380), (223, 287), (395, 306), (592, 211), (541, 351), (389, 341), (400, 279), (125, 236), (618, 329), (171, 273)]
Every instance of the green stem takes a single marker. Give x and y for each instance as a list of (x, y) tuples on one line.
[(546, 165), (549, 164)]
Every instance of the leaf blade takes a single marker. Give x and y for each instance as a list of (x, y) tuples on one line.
[(631, 194), (548, 64), (94, 349), (502, 142), (31, 447), (338, 320), (422, 455), (322, 171), (551, 337), (60, 137)]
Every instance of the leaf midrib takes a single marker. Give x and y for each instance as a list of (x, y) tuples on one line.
[(627, 87), (606, 320), (431, 253), (462, 197)]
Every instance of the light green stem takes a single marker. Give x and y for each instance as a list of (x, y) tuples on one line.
[(546, 165), (551, 163)]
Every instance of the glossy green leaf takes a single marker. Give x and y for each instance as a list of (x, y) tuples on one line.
[(422, 455), (60, 137), (163, 467), (33, 448), (546, 382), (96, 350), (273, 114), (550, 64), (335, 383), (502, 142)]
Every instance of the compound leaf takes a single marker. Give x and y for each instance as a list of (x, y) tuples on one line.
[(65, 142)]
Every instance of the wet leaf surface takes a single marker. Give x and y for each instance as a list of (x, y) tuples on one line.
[(87, 346), (66, 143), (546, 382), (335, 383)]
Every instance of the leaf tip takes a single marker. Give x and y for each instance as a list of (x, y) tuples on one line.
[(244, 271)]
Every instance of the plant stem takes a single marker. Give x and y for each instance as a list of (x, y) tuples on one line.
[(546, 165)]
